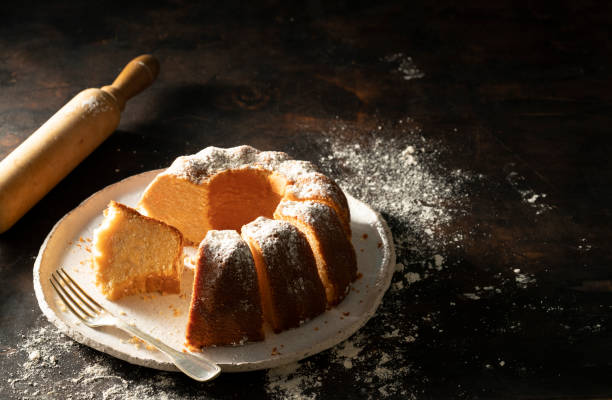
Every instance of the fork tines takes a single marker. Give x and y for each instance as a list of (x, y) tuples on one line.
[(75, 298)]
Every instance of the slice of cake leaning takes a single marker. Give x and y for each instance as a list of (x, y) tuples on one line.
[(136, 254)]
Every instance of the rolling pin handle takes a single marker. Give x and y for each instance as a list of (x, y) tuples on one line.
[(137, 75)]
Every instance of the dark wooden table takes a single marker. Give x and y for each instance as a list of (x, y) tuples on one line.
[(507, 294)]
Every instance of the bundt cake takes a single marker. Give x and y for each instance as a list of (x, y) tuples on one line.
[(295, 222), (291, 291), (134, 254), (226, 303)]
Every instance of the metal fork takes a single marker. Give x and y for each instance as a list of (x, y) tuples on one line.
[(94, 315)]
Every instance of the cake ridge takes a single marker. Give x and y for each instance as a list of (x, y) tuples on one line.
[(334, 252), (286, 269), (225, 306), (227, 246)]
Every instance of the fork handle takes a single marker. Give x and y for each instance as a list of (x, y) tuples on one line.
[(199, 368)]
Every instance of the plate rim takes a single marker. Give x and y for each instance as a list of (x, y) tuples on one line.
[(386, 265)]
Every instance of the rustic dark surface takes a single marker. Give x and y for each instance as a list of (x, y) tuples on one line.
[(507, 87)]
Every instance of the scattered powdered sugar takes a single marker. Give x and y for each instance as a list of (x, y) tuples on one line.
[(85, 104), (405, 66), (399, 173), (41, 349), (523, 280), (290, 382), (528, 195), (348, 360), (472, 296), (412, 277), (93, 105), (399, 177), (49, 370), (584, 245)]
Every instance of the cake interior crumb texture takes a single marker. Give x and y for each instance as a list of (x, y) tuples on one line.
[(229, 199), (136, 254)]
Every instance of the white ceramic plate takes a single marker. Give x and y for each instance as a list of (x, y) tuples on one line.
[(69, 245)]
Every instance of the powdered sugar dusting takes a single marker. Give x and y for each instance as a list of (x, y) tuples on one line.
[(307, 211), (49, 370), (93, 105), (271, 234), (280, 239), (290, 382), (311, 188), (296, 169), (537, 201), (348, 361), (405, 66), (398, 176), (227, 248), (316, 186), (85, 105), (271, 159), (212, 160)]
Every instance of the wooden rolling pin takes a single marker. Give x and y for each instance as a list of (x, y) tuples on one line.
[(57, 147)]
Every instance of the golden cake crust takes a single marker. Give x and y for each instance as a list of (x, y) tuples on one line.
[(334, 252), (226, 304), (289, 283)]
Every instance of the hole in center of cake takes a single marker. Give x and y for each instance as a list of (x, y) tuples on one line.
[(237, 197)]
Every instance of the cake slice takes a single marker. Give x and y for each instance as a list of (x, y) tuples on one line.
[(136, 254), (290, 288), (225, 304)]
